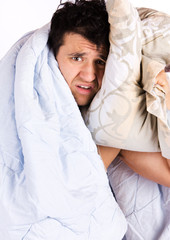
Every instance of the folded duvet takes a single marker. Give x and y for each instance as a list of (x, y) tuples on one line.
[(53, 183)]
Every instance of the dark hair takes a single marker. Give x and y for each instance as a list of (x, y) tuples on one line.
[(88, 18)]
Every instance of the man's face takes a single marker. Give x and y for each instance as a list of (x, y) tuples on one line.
[(82, 64)]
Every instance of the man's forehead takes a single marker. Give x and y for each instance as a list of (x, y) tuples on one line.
[(81, 45)]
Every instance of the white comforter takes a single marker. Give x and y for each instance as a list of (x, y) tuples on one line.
[(52, 181)]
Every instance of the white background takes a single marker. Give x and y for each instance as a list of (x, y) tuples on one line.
[(20, 16)]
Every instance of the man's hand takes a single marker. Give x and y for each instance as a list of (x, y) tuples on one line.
[(162, 80)]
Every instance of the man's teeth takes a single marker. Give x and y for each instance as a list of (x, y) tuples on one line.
[(85, 87)]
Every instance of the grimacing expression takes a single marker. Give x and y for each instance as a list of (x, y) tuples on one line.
[(82, 65)]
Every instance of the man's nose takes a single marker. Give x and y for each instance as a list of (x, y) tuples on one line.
[(88, 72)]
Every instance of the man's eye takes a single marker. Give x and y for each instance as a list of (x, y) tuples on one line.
[(78, 59), (101, 62)]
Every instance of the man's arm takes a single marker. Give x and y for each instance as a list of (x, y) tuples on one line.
[(149, 165), (108, 154)]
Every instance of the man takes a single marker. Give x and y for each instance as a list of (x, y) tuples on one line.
[(80, 44), (81, 60), (81, 54), (53, 183)]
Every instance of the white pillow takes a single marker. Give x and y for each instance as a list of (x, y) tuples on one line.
[(129, 111)]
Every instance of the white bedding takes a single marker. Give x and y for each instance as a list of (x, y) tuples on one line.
[(52, 180)]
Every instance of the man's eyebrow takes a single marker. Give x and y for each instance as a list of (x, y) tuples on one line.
[(77, 54), (103, 57)]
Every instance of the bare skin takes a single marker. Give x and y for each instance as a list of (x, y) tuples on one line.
[(82, 65), (161, 80), (149, 165)]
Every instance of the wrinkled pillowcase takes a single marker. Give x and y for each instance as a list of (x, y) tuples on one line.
[(129, 112)]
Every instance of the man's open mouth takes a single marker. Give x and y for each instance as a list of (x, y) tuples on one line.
[(84, 87)]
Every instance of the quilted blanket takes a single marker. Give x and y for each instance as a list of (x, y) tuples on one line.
[(145, 204), (53, 184)]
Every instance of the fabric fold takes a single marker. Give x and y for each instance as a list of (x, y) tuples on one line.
[(53, 182)]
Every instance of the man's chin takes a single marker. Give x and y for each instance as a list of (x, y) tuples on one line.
[(83, 99), (83, 103)]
